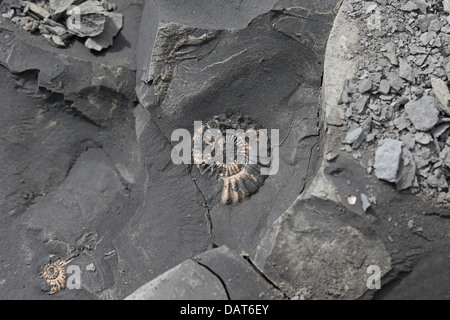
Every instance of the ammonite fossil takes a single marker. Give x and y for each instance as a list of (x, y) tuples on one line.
[(54, 274), (239, 171)]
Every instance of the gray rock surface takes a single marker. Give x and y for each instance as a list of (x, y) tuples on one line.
[(440, 90), (446, 6), (87, 173), (423, 113), (188, 281), (387, 160), (322, 241), (240, 277), (113, 24)]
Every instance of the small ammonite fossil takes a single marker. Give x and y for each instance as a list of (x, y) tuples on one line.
[(240, 172), (54, 274)]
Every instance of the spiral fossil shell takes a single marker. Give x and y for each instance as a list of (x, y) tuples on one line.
[(240, 179), (54, 274)]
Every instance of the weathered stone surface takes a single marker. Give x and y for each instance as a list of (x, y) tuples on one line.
[(387, 160), (240, 278), (384, 86), (446, 6), (406, 71), (324, 239), (365, 85), (59, 6), (85, 196), (75, 106), (353, 135), (423, 113), (113, 24), (90, 24), (169, 226), (221, 63), (407, 171), (447, 66), (409, 6), (187, 281), (445, 156), (37, 10), (442, 93)]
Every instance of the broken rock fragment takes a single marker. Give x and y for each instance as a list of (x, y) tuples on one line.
[(57, 7), (86, 25), (387, 160), (442, 93), (59, 20), (447, 67), (446, 6), (406, 71), (365, 85), (409, 6), (423, 113), (407, 171), (37, 10), (445, 156), (437, 180), (114, 23)]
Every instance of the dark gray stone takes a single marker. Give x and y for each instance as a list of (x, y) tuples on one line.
[(90, 25), (181, 89), (85, 196), (170, 224), (187, 281), (325, 240), (240, 278)]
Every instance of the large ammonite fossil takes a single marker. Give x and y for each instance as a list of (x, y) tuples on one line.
[(54, 274), (240, 171)]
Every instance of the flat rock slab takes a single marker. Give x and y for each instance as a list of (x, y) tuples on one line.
[(187, 281), (196, 73), (240, 278), (314, 235), (423, 113), (169, 225), (84, 197)]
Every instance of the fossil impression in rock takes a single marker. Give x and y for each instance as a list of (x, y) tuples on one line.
[(54, 274), (241, 172)]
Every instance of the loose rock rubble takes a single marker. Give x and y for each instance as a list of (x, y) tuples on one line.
[(59, 21), (400, 97)]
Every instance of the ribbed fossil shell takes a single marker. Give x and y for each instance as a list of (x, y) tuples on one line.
[(240, 180), (54, 274)]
